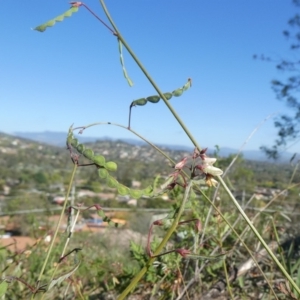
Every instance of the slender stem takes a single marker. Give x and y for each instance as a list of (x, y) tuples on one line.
[(98, 18), (135, 133), (176, 116), (274, 258), (59, 223), (70, 234), (138, 277)]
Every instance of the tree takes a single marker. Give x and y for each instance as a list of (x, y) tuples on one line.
[(287, 90)]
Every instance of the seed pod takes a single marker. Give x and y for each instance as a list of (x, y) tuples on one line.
[(112, 182), (99, 160), (168, 96), (111, 166), (153, 99), (103, 173), (59, 18), (123, 190), (135, 194), (80, 148), (177, 92), (88, 153), (74, 142), (148, 190), (139, 102)]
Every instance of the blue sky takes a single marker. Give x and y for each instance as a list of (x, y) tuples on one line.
[(71, 73)]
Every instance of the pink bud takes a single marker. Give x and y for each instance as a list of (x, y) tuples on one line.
[(181, 164), (183, 252), (98, 207), (158, 222)]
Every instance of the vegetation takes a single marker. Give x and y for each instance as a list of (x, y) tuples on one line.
[(287, 90), (206, 245)]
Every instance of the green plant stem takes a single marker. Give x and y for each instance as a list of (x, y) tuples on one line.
[(274, 258), (59, 223), (176, 116), (167, 236), (70, 234), (135, 133)]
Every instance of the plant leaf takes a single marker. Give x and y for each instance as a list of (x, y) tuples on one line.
[(3, 288), (64, 276), (122, 63), (68, 13)]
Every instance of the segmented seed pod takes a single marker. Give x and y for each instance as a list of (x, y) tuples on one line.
[(80, 148), (177, 92), (148, 190), (74, 142), (111, 166), (123, 190), (168, 96), (111, 182), (136, 194), (140, 102), (88, 153), (153, 99), (99, 160), (103, 173)]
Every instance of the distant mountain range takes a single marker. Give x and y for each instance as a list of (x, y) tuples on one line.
[(59, 139)]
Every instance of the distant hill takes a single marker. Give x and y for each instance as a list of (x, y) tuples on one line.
[(59, 139)]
